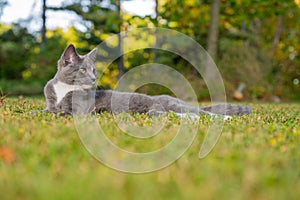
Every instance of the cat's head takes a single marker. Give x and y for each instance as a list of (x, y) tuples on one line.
[(77, 69)]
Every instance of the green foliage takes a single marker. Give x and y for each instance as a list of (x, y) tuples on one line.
[(16, 46), (256, 25), (249, 66), (188, 17), (43, 65), (256, 157)]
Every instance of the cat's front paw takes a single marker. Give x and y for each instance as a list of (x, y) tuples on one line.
[(64, 114)]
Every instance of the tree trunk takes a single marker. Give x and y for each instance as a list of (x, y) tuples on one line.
[(277, 33), (121, 67), (43, 31), (213, 33), (156, 9)]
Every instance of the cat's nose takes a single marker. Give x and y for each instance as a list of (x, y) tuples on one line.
[(93, 80)]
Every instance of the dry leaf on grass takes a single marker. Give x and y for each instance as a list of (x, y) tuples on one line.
[(7, 155)]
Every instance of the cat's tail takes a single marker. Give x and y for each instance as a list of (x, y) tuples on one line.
[(228, 109)]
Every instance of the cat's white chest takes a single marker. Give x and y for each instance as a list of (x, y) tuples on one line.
[(61, 89)]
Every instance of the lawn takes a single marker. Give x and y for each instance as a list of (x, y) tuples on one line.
[(256, 157)]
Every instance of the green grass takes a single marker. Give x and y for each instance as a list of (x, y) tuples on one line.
[(257, 157)]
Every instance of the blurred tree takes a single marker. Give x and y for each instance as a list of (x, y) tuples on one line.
[(120, 60), (189, 17), (100, 18), (256, 31), (258, 41), (43, 64), (43, 31), (254, 37), (16, 47), (213, 32)]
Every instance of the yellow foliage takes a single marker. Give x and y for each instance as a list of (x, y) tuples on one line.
[(112, 41), (71, 36), (190, 2), (173, 24), (104, 36), (4, 27), (26, 74), (229, 11)]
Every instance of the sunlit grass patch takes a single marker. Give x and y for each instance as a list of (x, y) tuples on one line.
[(256, 157)]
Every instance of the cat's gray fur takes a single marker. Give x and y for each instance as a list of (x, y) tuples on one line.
[(77, 74)]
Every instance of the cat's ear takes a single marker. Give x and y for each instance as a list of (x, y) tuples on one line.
[(92, 54), (70, 55)]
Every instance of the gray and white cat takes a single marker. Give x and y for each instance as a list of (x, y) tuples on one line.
[(76, 74)]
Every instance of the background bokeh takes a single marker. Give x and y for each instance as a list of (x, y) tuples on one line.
[(252, 42)]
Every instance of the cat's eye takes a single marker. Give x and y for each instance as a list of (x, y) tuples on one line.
[(83, 70)]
